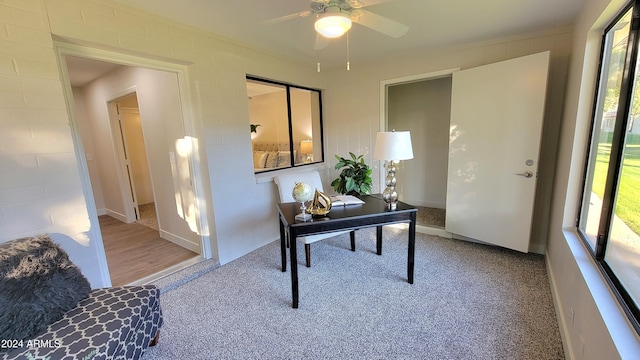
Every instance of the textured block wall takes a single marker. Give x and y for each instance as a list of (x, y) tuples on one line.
[(39, 186)]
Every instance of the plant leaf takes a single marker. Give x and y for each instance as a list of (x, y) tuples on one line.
[(350, 184)]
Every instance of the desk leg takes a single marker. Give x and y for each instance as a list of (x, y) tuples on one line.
[(379, 240), (283, 252), (412, 247), (293, 258)]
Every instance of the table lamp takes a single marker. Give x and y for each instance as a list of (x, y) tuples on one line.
[(392, 146), (306, 147)]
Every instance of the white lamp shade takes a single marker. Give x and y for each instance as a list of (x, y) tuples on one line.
[(394, 146), (333, 24), (306, 146)]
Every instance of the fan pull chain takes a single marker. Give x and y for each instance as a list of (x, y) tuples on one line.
[(348, 64)]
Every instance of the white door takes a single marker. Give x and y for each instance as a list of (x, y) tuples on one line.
[(127, 187), (496, 123)]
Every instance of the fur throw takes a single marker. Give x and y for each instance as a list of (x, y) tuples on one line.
[(38, 284)]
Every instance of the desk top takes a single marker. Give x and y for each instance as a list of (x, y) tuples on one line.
[(373, 207)]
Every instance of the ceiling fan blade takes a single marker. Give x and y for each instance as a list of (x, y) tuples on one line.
[(321, 42), (300, 14), (382, 24)]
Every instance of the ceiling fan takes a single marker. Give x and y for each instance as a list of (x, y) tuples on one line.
[(334, 18)]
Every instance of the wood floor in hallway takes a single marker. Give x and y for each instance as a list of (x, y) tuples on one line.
[(135, 251)]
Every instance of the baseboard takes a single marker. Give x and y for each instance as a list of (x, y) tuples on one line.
[(539, 249), (170, 270), (101, 212), (116, 215), (182, 242), (560, 315), (429, 230), (472, 240)]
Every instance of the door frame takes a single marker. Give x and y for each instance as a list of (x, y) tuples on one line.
[(384, 124), (64, 49)]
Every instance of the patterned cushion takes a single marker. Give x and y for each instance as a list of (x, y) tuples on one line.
[(284, 158), (112, 323), (272, 160), (259, 159)]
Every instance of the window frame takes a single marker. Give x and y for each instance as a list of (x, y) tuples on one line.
[(288, 87), (616, 158)]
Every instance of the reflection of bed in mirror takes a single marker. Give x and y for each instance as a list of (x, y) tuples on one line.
[(268, 156)]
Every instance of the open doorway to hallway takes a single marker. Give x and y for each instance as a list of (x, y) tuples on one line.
[(132, 162), (423, 107)]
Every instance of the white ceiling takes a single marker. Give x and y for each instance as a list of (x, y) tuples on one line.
[(82, 71), (432, 24)]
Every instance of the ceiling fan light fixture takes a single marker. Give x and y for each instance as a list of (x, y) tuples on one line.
[(333, 24)]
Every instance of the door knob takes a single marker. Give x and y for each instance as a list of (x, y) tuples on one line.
[(526, 174)]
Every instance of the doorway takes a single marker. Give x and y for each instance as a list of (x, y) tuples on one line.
[(493, 137), (129, 166), (423, 107)]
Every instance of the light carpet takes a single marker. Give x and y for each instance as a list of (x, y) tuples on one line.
[(148, 216), (432, 217), (468, 301)]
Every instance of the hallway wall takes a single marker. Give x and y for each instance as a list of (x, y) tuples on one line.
[(162, 124), (424, 109)]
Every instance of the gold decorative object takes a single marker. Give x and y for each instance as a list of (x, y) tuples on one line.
[(321, 204)]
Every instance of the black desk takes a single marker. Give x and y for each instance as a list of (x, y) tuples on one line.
[(372, 213)]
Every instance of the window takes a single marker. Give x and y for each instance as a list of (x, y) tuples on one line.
[(285, 123), (609, 220)]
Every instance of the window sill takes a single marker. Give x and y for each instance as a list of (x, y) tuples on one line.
[(623, 334)]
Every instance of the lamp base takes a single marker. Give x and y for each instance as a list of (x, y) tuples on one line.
[(389, 195), (392, 205)]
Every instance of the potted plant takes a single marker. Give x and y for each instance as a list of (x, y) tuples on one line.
[(355, 176)]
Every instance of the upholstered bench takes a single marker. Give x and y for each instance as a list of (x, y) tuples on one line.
[(108, 323)]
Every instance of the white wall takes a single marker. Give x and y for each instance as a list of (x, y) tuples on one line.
[(86, 134), (592, 323), (162, 124), (40, 189), (273, 120), (270, 111), (301, 116), (103, 155), (424, 108), (352, 121)]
